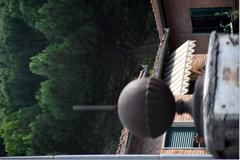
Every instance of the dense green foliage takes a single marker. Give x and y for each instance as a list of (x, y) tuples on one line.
[(58, 53)]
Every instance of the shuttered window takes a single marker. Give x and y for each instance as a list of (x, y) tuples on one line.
[(209, 19), (180, 137)]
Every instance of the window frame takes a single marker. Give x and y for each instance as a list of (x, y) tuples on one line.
[(178, 125), (209, 13)]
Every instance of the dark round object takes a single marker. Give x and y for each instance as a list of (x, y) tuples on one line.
[(198, 106), (146, 107)]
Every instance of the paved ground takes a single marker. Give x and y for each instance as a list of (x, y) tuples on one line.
[(145, 145), (151, 146)]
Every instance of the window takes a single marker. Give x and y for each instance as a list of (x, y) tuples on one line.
[(182, 137), (209, 19)]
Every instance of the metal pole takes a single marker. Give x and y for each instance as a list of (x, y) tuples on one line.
[(94, 107), (184, 104)]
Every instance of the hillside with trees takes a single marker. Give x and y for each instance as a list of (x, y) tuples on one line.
[(55, 54)]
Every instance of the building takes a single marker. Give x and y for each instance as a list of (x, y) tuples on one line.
[(193, 20), (190, 20), (187, 20)]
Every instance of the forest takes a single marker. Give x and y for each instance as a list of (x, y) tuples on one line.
[(55, 54)]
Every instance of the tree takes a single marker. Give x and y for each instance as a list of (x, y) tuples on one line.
[(18, 43), (16, 131), (77, 54)]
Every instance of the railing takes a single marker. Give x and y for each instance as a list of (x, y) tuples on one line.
[(161, 54), (126, 139)]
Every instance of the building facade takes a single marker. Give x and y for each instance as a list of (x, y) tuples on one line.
[(187, 20), (191, 20), (179, 17)]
